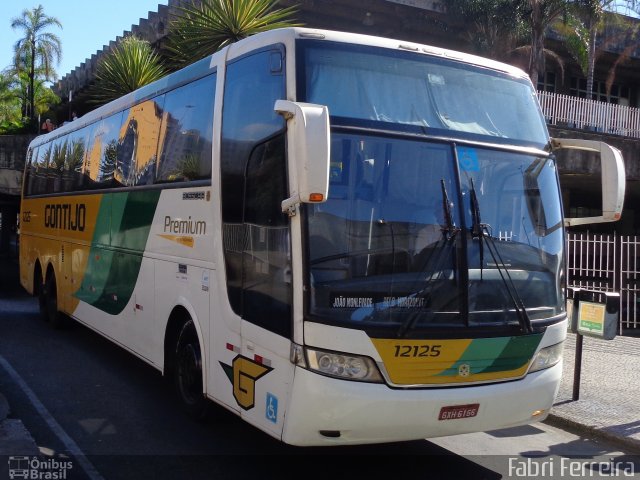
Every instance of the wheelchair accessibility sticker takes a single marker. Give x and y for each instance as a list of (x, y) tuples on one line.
[(468, 159), (271, 408)]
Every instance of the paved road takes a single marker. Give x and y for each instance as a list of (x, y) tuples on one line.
[(88, 401)]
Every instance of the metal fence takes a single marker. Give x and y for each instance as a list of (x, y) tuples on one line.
[(609, 263), (582, 113)]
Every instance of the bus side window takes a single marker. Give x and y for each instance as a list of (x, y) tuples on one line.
[(74, 158), (40, 172), (102, 154), (138, 143), (266, 262), (32, 158), (186, 135)]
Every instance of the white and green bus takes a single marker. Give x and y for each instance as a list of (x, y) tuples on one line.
[(343, 239)]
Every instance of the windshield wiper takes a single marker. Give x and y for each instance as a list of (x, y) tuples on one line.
[(446, 210), (482, 231), (437, 258)]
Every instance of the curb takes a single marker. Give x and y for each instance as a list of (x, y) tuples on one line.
[(15, 439), (630, 444)]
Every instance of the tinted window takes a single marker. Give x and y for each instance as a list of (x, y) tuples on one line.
[(41, 168), (138, 143), (266, 263), (251, 89), (187, 132), (32, 156), (73, 178), (165, 139), (253, 172), (102, 159)]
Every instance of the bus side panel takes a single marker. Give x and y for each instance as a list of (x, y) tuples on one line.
[(181, 242), (51, 229), (114, 290), (186, 286), (268, 376)]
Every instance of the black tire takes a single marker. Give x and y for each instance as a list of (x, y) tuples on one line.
[(49, 303), (39, 291), (187, 372)]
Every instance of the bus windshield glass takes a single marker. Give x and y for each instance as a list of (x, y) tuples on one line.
[(421, 231), (398, 244), (419, 91)]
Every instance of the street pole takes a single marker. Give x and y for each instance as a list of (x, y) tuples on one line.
[(577, 370)]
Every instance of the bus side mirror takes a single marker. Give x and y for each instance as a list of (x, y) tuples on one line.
[(613, 178), (309, 147)]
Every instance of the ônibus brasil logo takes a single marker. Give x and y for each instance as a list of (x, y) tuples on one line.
[(35, 468)]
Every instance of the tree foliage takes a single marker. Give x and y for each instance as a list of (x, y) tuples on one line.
[(131, 64), (37, 51), (204, 27), (495, 27)]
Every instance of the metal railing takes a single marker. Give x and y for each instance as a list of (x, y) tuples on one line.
[(608, 263), (575, 112)]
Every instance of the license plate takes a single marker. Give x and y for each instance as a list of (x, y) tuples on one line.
[(454, 412)]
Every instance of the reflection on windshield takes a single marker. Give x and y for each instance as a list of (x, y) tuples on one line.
[(379, 246), (406, 88), (517, 198), (385, 249)]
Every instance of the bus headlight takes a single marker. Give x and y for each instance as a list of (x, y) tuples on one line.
[(547, 357), (341, 365)]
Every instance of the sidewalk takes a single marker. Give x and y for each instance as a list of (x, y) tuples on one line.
[(609, 404), (14, 437)]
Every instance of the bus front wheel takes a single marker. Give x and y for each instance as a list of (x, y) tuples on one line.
[(187, 371)]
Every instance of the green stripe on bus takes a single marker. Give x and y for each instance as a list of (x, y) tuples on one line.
[(113, 267), (480, 354), (516, 354), (502, 354)]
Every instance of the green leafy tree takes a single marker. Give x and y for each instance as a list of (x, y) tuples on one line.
[(10, 115), (204, 27), (37, 50), (495, 27), (596, 29), (130, 65), (14, 101)]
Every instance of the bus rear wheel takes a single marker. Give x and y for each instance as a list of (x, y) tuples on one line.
[(39, 291), (49, 303), (187, 372)]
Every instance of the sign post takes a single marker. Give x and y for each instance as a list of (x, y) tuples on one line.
[(592, 314)]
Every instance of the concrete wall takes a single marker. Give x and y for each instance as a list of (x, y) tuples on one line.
[(13, 149), (577, 162), (580, 179)]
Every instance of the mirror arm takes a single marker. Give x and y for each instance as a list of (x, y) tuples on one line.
[(290, 205)]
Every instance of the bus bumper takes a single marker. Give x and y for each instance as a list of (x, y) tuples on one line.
[(328, 411)]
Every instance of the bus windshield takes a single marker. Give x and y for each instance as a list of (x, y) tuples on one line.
[(420, 231), (420, 92), (395, 241)]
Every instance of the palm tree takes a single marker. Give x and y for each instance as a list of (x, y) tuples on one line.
[(130, 65), (543, 14), (37, 49), (495, 26), (201, 28), (591, 37)]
